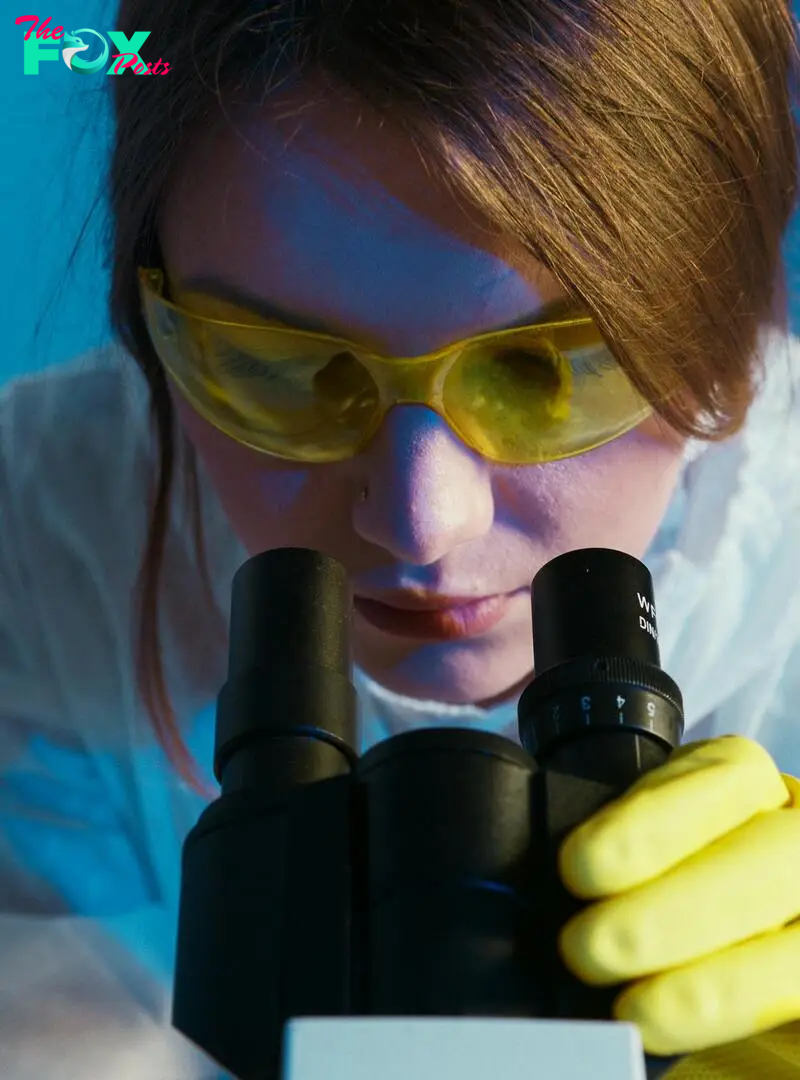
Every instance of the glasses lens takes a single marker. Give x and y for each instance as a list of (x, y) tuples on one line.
[(307, 402), (276, 392), (517, 399), (522, 400)]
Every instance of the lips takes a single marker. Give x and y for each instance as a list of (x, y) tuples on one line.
[(436, 618)]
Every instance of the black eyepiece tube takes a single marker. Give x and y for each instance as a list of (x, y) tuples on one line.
[(287, 713), (265, 925), (593, 602), (597, 664), (290, 608)]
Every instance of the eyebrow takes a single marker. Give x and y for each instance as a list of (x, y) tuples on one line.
[(256, 305)]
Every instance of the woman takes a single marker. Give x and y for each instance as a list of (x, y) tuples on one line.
[(593, 196)]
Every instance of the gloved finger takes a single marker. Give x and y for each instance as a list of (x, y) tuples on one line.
[(743, 884), (743, 991), (704, 791), (793, 787)]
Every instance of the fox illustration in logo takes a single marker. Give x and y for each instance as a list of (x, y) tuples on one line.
[(72, 44)]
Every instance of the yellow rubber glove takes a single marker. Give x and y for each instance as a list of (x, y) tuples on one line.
[(696, 874)]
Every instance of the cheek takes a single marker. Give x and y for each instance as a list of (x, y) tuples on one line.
[(219, 453), (265, 501), (615, 496), (225, 460), (636, 479)]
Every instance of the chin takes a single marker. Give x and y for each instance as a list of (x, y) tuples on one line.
[(474, 673)]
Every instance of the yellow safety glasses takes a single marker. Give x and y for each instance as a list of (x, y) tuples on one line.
[(518, 397)]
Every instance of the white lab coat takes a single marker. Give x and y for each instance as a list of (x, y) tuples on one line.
[(91, 817)]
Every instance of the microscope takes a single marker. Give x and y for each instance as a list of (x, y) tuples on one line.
[(396, 914)]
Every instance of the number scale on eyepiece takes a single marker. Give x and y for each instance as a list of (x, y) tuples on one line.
[(596, 661)]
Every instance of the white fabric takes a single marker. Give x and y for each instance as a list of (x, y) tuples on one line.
[(92, 819)]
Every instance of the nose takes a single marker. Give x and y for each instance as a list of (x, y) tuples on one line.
[(428, 492)]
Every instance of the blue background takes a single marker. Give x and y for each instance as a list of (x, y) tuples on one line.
[(56, 130)]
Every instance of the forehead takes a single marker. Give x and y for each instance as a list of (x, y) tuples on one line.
[(331, 213)]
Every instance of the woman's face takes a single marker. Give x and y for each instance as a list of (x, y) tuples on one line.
[(322, 211)]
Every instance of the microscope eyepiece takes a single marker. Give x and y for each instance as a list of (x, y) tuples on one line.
[(593, 602), (287, 713), (596, 658), (290, 610)]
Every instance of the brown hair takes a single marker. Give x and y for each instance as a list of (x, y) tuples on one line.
[(644, 151)]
